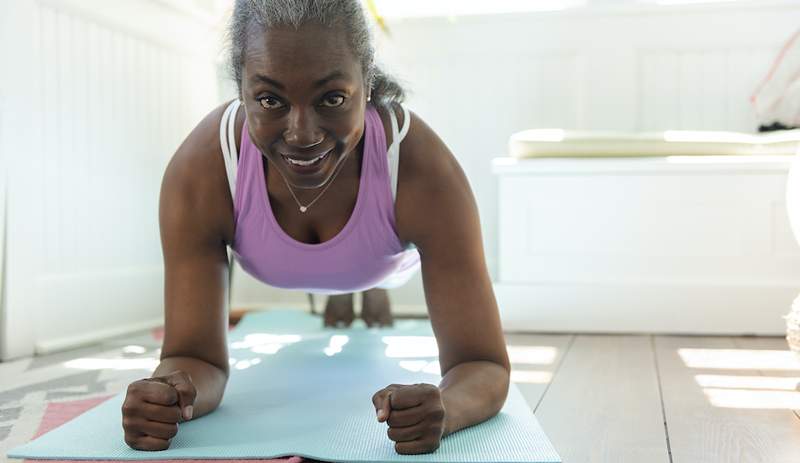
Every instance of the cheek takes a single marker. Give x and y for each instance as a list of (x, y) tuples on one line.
[(263, 133), (353, 129)]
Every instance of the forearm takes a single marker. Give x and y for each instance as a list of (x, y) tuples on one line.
[(208, 379), (473, 392)]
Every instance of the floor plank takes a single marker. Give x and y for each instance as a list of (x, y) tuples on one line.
[(603, 404), (534, 361), (776, 344), (714, 403)]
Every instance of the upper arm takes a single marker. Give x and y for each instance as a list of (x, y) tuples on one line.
[(195, 221), (436, 211)]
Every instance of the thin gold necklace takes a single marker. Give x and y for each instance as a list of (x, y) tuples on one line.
[(303, 208)]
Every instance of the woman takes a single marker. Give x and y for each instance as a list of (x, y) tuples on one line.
[(323, 214)]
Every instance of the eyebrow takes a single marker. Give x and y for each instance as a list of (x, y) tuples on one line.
[(319, 83)]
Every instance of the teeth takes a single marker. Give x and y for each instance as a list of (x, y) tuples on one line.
[(306, 163)]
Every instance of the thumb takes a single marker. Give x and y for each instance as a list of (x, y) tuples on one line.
[(187, 393), (383, 404)]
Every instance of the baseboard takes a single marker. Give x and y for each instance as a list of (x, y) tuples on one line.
[(71, 342)]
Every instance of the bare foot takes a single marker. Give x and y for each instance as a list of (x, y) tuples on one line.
[(375, 309), (339, 310)]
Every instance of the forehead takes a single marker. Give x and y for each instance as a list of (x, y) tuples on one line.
[(308, 52)]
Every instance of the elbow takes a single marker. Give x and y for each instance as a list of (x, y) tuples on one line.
[(501, 382), (503, 385)]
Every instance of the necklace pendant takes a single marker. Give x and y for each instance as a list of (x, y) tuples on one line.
[(303, 208)]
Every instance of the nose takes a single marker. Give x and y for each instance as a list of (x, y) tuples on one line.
[(302, 130)]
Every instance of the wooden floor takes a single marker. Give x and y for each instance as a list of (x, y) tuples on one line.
[(662, 398), (643, 399)]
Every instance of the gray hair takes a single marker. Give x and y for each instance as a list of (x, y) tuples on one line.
[(347, 14)]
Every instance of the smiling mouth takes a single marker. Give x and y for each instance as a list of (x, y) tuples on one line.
[(311, 162)]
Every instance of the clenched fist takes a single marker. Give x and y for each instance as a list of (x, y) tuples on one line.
[(153, 408), (415, 415)]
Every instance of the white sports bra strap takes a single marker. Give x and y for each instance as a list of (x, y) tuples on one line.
[(394, 150), (227, 141)]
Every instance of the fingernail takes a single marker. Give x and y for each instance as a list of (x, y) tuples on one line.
[(187, 412), (381, 413)]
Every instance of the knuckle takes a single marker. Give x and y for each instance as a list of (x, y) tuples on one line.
[(131, 441), (134, 387), (127, 423), (437, 413), (166, 396), (430, 444), (430, 391), (408, 448), (129, 408), (436, 445), (161, 446)]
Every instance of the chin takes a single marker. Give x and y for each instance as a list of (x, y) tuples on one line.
[(309, 178)]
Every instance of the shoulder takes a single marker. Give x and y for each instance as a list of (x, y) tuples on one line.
[(430, 181), (195, 181)]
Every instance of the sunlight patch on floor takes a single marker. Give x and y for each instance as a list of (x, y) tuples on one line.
[(133, 349), (531, 376), (335, 344), (750, 399), (740, 359), (746, 391), (266, 343), (778, 383), (532, 355), (424, 366), (410, 346), (112, 364)]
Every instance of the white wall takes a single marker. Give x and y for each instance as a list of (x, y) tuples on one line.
[(96, 97), (478, 79)]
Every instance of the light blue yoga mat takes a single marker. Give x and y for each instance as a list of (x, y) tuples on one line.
[(299, 389)]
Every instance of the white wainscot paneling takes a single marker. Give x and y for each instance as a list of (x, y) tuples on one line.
[(110, 104), (700, 89), (647, 246)]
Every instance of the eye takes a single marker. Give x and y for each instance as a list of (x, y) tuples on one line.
[(270, 102), (332, 101)]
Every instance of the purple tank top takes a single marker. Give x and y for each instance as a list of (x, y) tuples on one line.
[(363, 254)]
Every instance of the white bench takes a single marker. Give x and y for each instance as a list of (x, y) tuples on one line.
[(670, 244)]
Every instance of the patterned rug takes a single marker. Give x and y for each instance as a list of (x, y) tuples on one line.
[(41, 393)]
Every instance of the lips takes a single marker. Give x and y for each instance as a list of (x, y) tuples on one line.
[(305, 160)]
